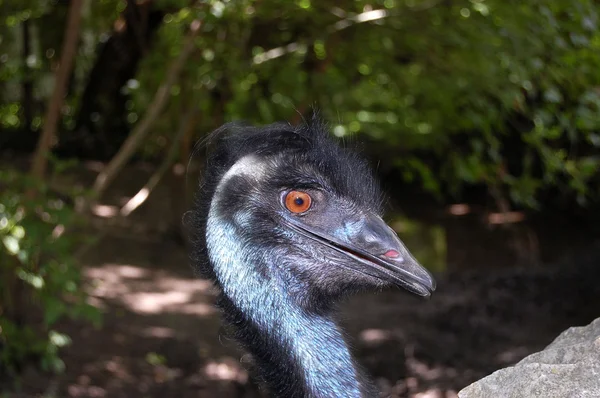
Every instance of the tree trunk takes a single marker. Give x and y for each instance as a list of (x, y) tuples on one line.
[(63, 72), (27, 84), (101, 124), (143, 127)]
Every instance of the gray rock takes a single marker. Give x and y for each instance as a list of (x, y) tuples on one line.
[(568, 367)]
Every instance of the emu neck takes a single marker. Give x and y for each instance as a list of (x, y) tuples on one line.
[(298, 354)]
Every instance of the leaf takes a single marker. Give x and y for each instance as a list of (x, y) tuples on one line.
[(12, 244), (53, 310)]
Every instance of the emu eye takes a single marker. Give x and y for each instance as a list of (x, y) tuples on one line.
[(297, 201)]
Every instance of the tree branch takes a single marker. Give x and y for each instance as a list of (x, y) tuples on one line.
[(63, 71), (140, 131), (153, 181), (345, 23)]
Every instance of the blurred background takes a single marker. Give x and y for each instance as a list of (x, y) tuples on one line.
[(481, 117)]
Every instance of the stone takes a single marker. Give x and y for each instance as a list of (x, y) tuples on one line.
[(568, 367)]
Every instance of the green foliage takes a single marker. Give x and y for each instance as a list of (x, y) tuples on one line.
[(424, 77), (494, 92), (40, 281)]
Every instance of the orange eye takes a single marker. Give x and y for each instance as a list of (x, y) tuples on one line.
[(297, 201)]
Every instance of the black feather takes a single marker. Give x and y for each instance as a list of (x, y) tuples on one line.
[(278, 287)]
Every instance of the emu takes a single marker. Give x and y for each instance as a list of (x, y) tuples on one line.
[(286, 223)]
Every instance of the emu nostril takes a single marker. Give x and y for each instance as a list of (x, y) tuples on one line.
[(392, 254)]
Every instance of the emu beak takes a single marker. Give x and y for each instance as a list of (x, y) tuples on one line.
[(372, 243), (377, 246)]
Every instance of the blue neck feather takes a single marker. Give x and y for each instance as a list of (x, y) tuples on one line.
[(299, 354)]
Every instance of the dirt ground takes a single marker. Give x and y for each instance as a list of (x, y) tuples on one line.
[(161, 336)]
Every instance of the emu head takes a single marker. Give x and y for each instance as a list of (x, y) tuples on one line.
[(290, 206)]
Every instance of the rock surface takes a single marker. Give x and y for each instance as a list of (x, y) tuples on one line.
[(568, 367)]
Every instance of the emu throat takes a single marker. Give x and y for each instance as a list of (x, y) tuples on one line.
[(298, 354)]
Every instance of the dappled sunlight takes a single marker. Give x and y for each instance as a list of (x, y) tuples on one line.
[(436, 393), (147, 291), (277, 52), (178, 169), (108, 280), (163, 374), (459, 209), (186, 285), (58, 231), (116, 367), (423, 375), (197, 309), (427, 372), (374, 336), (105, 211), (129, 271), (226, 369), (510, 217), (410, 388), (153, 303), (158, 331), (86, 391)]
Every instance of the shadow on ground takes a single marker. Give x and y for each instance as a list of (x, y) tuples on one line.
[(161, 336)]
